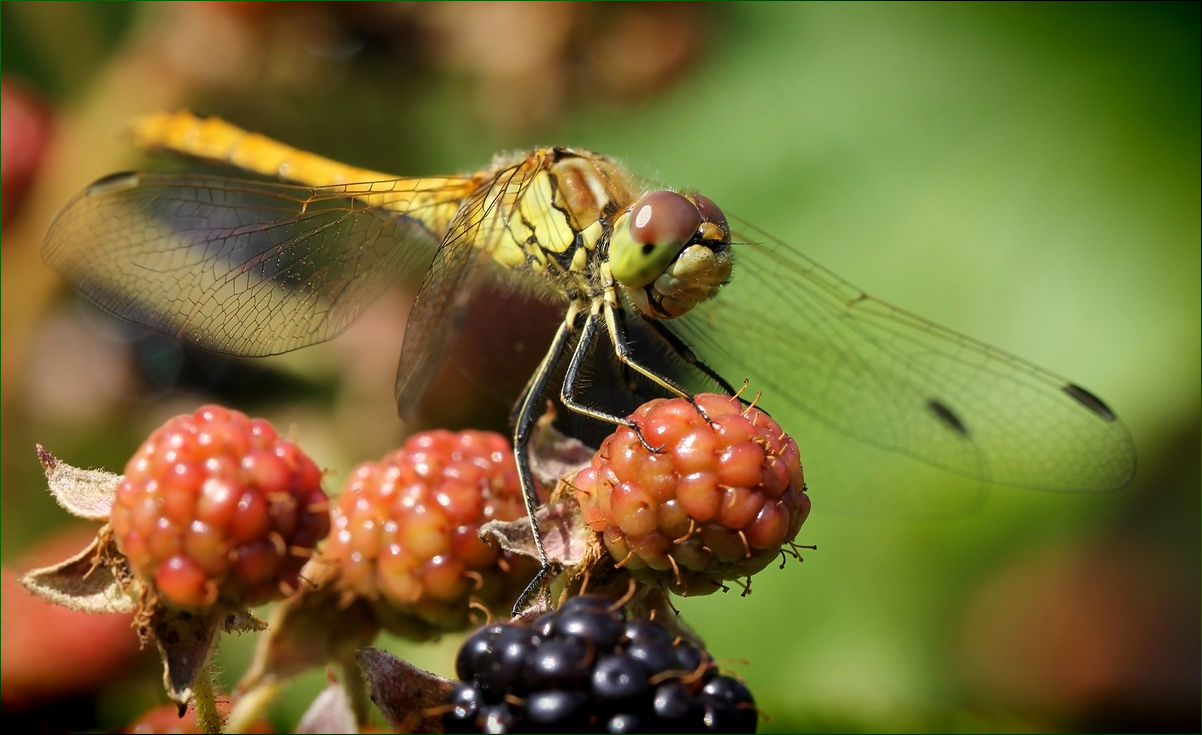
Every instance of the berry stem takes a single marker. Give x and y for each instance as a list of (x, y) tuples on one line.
[(208, 719)]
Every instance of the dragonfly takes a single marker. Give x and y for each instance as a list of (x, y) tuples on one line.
[(252, 267)]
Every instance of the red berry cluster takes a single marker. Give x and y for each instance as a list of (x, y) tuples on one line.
[(720, 494), (216, 506), (405, 528)]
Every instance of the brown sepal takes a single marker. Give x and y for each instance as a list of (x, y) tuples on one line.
[(553, 454), (411, 700), (83, 493), (96, 580)]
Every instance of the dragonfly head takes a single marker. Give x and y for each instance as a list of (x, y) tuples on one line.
[(670, 252)]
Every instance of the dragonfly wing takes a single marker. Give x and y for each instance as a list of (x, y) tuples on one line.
[(234, 266), (462, 264), (860, 367), (445, 295), (441, 304)]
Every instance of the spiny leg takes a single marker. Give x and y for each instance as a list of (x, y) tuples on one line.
[(524, 423), (588, 332), (688, 356), (617, 335), (617, 332)]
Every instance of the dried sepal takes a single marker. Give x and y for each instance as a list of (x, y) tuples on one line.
[(83, 493), (184, 640), (242, 621), (96, 580), (411, 700), (564, 534), (553, 454)]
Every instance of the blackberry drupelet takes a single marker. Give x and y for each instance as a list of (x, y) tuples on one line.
[(587, 668)]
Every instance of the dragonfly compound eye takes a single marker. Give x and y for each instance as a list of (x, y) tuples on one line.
[(655, 230), (710, 213)]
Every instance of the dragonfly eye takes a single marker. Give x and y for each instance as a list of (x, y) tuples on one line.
[(660, 224), (710, 212)]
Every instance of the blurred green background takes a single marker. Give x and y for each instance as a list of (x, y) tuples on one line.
[(1026, 174)]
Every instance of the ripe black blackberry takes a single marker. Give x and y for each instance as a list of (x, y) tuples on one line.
[(586, 668)]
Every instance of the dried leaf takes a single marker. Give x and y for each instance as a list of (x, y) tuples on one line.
[(553, 454), (330, 712), (565, 537), (410, 699), (84, 493), (90, 581)]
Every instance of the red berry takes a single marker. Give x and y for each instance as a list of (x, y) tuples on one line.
[(215, 506), (716, 502), (405, 528)]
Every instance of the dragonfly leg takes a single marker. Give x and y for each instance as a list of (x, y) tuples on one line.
[(684, 353), (524, 421), (588, 332)]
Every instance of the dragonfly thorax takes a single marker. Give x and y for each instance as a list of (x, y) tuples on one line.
[(670, 252)]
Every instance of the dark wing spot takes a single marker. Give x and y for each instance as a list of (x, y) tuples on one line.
[(945, 414), (1090, 401), (113, 182)]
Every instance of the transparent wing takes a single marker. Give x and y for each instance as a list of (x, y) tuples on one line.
[(860, 367), (241, 267), (450, 282)]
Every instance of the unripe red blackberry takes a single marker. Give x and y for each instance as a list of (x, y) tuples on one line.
[(586, 668), (216, 506), (405, 528), (717, 500)]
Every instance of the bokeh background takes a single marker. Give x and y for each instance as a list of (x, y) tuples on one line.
[(1026, 174)]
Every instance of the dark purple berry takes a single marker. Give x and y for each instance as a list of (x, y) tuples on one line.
[(466, 701), (618, 677), (496, 719), (585, 668), (727, 688), (596, 625), (474, 649), (693, 661), (653, 655), (560, 708), (625, 722), (729, 706), (585, 602), (542, 627), (560, 662), (642, 629), (676, 708), (501, 668)]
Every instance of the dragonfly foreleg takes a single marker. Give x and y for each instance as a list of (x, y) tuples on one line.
[(681, 350)]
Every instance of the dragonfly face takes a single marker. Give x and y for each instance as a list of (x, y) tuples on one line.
[(256, 268), (669, 253)]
